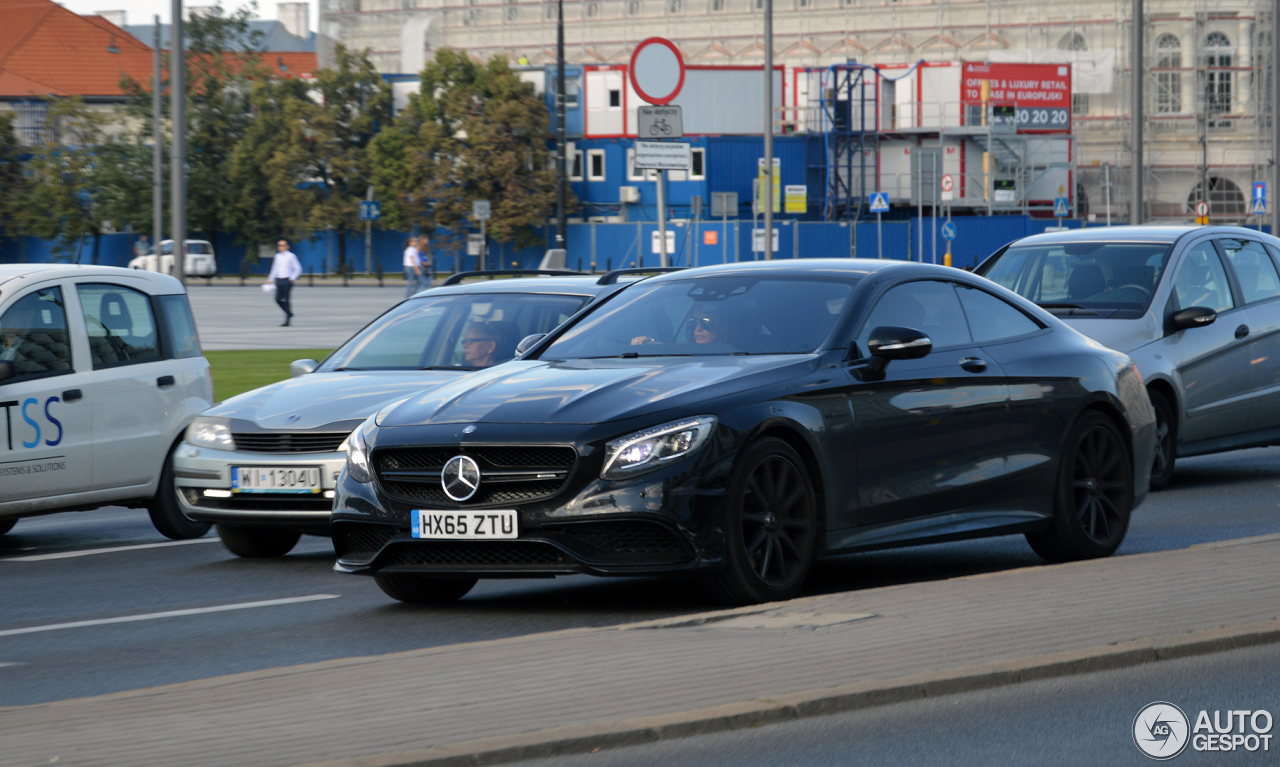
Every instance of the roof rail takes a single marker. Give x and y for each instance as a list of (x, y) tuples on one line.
[(460, 276), (611, 278)]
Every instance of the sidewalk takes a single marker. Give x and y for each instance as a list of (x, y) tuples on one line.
[(574, 690)]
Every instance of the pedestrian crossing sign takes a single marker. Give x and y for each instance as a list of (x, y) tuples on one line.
[(879, 202), (1060, 207), (1259, 206)]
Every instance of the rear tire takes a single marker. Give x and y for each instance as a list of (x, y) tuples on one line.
[(1094, 494), (7, 524), (770, 527), (257, 541), (1166, 441), (165, 512), (421, 590)]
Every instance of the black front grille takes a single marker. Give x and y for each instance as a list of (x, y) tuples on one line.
[(508, 474), (289, 441), (356, 541), (282, 502), (496, 555), (632, 541)]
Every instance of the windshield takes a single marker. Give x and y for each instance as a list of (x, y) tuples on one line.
[(709, 316), (1082, 275), (461, 332)]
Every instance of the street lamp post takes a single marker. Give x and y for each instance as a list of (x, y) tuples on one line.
[(560, 130), (178, 154), (1136, 114), (766, 194), (157, 157)]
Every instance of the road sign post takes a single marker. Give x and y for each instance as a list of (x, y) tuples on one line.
[(370, 211), (1259, 207), (1061, 209), (948, 234), (1202, 212), (879, 204), (481, 210), (657, 75)]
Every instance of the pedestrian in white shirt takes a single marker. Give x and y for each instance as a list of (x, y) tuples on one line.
[(285, 269), (412, 267)]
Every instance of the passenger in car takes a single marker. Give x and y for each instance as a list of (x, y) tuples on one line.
[(485, 344)]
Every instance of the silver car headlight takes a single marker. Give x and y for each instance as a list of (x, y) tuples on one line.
[(206, 431), (357, 446), (646, 450)]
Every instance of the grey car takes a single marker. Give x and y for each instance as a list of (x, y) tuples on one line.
[(1197, 308), (262, 465)]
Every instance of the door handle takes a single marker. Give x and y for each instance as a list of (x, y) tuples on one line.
[(164, 381), (973, 364), (1242, 331), (71, 395)]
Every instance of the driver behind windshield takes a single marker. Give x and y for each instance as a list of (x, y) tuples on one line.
[(708, 324), (485, 344)]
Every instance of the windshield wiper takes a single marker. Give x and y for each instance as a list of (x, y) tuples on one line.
[(1059, 306), (447, 367), (338, 370)]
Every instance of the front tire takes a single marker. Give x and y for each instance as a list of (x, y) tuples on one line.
[(770, 527), (1166, 441), (1094, 495), (7, 524), (257, 541), (165, 512), (421, 590)]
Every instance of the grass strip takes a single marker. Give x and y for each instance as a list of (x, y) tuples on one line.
[(240, 370)]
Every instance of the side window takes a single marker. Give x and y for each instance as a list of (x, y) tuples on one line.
[(34, 337), (1254, 269), (990, 318), (1202, 281), (183, 340), (929, 306), (121, 325)]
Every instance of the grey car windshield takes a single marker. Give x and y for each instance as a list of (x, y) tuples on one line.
[(462, 332), (1082, 275), (708, 316)]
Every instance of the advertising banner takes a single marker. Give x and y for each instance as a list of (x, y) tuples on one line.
[(1041, 94)]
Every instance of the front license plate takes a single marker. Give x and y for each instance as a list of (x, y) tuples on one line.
[(269, 479), (465, 525)]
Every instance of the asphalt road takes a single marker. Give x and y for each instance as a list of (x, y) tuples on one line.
[(236, 615), (1070, 721), (232, 317)]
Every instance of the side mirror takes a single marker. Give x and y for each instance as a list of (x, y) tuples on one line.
[(6, 371), (894, 343), (1194, 317), (528, 342), (302, 367)]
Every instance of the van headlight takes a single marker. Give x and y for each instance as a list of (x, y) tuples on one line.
[(205, 431), (646, 450), (357, 446)]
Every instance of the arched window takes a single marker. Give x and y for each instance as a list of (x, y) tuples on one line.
[(1223, 196), (1168, 83), (593, 10), (1218, 77), (1074, 41)]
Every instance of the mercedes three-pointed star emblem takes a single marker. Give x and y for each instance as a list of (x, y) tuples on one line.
[(460, 478)]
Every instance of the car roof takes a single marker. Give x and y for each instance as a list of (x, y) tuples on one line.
[(586, 285), (22, 273), (1143, 233), (840, 268)]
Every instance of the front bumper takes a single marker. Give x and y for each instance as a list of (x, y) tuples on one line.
[(197, 470)]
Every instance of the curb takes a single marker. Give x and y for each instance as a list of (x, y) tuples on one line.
[(585, 738)]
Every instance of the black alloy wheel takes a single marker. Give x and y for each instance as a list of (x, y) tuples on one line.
[(255, 541), (422, 589), (7, 524), (1166, 441), (165, 511), (770, 527), (1094, 495)]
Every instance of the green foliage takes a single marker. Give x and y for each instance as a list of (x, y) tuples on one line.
[(13, 187), (59, 204), (472, 132)]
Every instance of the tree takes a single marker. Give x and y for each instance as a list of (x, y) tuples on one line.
[(471, 132), (12, 183), (317, 168), (59, 204)]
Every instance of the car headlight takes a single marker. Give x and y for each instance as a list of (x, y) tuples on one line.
[(651, 448), (357, 446), (210, 432)]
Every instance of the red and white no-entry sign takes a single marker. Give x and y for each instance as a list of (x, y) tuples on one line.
[(948, 183), (657, 70), (1202, 208)]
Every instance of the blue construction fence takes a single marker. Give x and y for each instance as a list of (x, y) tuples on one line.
[(600, 246)]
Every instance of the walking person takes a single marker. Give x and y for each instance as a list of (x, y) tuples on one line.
[(285, 269), (412, 267), (141, 247), (424, 257)]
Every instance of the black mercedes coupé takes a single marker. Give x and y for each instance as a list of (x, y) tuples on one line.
[(736, 422)]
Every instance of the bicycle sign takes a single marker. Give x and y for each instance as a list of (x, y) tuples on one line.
[(659, 122)]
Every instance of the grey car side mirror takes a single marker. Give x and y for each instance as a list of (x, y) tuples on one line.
[(528, 342), (6, 371), (894, 343), (302, 367), (1194, 317)]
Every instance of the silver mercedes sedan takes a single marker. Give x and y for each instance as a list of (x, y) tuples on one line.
[(1197, 308), (262, 465)]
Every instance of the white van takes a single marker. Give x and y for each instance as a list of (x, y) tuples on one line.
[(100, 373), (201, 260)]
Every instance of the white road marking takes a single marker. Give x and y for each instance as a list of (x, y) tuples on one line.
[(87, 552), (2, 665), (167, 614)]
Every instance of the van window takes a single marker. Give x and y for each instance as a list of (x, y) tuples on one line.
[(183, 340), (34, 337), (120, 324)]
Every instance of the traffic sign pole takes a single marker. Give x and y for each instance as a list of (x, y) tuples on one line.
[(368, 236)]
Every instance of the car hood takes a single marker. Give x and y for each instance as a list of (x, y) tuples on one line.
[(594, 391), (1121, 335), (322, 398)]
